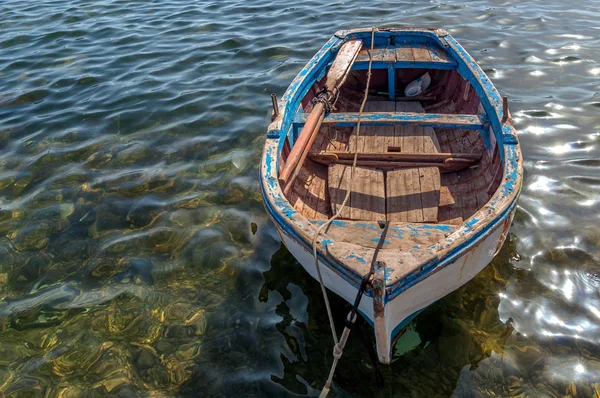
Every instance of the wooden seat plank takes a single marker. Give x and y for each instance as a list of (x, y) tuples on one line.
[(391, 118), (378, 55), (404, 54), (429, 178), (367, 199), (403, 196), (421, 53), (413, 195)]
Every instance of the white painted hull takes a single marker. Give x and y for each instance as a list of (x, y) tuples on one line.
[(436, 285)]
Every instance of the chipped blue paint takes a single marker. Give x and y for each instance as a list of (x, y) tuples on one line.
[(350, 119), (399, 232), (439, 227), (385, 241), (512, 158), (391, 82), (339, 223), (414, 232), (387, 274), (471, 222), (416, 246), (357, 258), (269, 161), (437, 263)]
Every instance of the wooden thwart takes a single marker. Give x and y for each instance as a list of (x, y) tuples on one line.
[(333, 156), (409, 54), (387, 118), (445, 161)]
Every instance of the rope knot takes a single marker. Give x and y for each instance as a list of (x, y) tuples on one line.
[(337, 351), (325, 97)]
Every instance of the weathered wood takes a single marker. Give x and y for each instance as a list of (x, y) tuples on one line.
[(313, 122), (342, 63), (421, 53), (336, 76), (367, 197), (397, 191), (297, 164), (404, 196), (333, 156), (440, 120), (429, 178)]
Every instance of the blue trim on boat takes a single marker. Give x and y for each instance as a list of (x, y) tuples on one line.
[(440, 120), (392, 82)]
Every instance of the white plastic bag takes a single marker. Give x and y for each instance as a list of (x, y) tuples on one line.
[(417, 86)]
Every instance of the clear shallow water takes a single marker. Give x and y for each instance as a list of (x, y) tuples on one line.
[(135, 254)]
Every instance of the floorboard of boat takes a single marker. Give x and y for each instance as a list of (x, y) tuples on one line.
[(461, 194)]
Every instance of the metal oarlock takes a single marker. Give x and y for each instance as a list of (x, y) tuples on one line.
[(275, 106)]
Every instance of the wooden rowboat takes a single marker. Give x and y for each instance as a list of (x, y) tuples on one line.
[(444, 168)]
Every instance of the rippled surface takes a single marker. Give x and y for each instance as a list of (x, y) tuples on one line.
[(135, 254)]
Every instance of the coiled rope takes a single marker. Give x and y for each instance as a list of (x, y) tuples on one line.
[(338, 347)]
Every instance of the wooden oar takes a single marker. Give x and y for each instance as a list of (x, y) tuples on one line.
[(336, 76)]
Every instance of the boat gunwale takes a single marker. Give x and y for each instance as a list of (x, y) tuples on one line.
[(444, 252)]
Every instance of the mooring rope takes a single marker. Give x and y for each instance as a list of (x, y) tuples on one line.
[(339, 344)]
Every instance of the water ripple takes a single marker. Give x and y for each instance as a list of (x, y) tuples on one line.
[(135, 254)]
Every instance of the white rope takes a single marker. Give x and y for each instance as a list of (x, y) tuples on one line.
[(339, 345)]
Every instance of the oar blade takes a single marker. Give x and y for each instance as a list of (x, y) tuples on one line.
[(343, 63)]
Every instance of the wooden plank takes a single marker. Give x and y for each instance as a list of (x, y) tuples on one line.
[(382, 134), (408, 55), (401, 132), (404, 54), (450, 210), (333, 156), (415, 212), (437, 53), (437, 120), (401, 236), (378, 54), (430, 192), (403, 195), (405, 65), (397, 191), (367, 198), (421, 53), (338, 186), (430, 141)]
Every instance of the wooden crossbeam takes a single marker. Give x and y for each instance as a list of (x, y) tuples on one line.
[(441, 120), (405, 65), (389, 160)]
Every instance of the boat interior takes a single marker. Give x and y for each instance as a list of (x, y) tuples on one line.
[(422, 161)]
